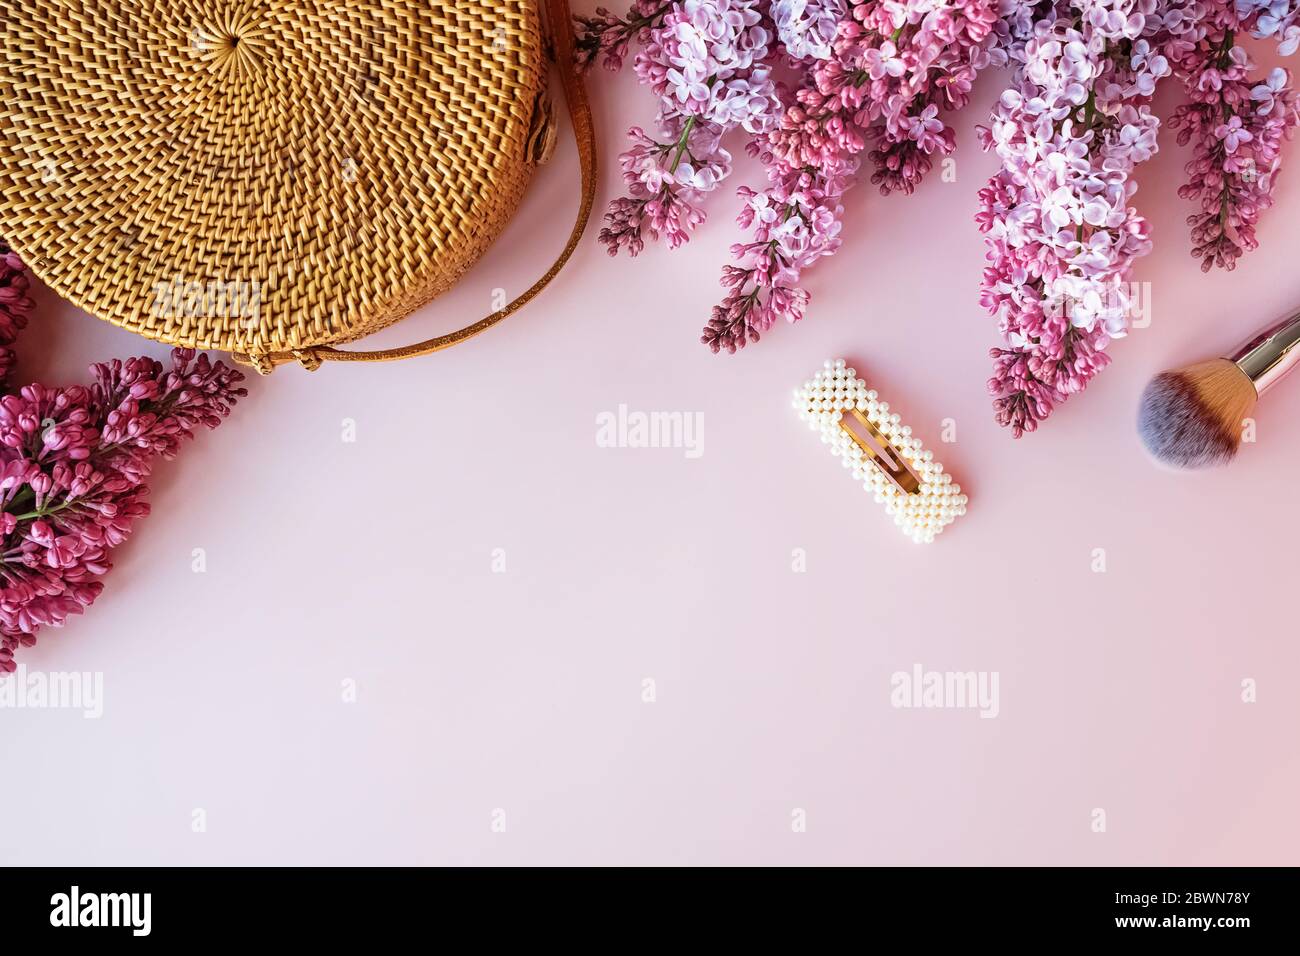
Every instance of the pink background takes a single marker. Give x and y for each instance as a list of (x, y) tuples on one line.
[(521, 691)]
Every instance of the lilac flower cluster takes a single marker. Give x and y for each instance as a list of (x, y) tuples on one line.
[(879, 82), (605, 36), (874, 81), (1060, 232), (807, 28), (796, 221), (1235, 123), (73, 466), (904, 61), (706, 61), (15, 306), (1270, 19), (873, 77)]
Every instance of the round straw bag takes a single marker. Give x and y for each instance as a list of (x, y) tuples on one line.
[(275, 178)]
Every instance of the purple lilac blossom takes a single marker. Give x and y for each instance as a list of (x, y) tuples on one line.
[(1236, 122), (1060, 230), (875, 82), (73, 466)]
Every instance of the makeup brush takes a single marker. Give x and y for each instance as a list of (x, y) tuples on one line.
[(1192, 417)]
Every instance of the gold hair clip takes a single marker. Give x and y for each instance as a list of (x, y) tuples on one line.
[(880, 450)]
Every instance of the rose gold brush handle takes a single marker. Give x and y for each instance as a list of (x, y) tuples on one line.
[(1270, 355)]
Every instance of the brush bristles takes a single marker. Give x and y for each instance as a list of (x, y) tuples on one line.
[(1192, 417)]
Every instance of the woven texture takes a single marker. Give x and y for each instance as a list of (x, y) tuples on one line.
[(263, 175)]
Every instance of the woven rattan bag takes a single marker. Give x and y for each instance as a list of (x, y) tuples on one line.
[(275, 178)]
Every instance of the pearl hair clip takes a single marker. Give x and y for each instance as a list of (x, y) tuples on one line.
[(880, 450)]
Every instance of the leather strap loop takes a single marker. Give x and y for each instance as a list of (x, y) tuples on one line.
[(559, 23)]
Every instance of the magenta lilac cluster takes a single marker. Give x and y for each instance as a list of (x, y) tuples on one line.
[(74, 463), (1236, 121), (706, 61), (874, 85), (857, 78), (828, 90), (1058, 219), (15, 306)]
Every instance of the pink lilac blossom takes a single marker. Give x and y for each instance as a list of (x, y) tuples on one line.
[(706, 62), (15, 306), (1236, 125), (1271, 19), (604, 36), (875, 81), (1060, 230), (796, 221), (889, 69), (872, 74), (893, 66), (806, 28), (73, 467), (904, 61)]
